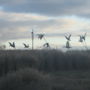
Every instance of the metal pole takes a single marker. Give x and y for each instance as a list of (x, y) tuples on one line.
[(32, 33)]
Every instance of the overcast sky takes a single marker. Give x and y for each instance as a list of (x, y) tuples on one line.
[(52, 17)]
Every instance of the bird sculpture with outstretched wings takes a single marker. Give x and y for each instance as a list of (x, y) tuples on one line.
[(84, 36), (46, 45), (68, 37), (12, 44), (25, 45), (40, 36), (68, 44)]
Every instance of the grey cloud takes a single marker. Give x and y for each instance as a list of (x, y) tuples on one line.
[(47, 7), (9, 30)]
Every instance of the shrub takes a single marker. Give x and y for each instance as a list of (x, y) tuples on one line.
[(14, 60), (25, 79)]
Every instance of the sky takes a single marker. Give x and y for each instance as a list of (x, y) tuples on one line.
[(54, 18)]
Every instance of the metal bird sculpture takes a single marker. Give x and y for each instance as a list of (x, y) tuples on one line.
[(25, 45), (68, 37), (46, 45), (40, 36), (12, 44), (84, 36), (68, 44), (80, 40)]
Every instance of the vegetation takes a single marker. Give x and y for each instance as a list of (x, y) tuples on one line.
[(24, 79), (44, 70)]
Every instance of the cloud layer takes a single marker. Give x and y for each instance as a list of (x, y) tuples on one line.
[(48, 7), (53, 17)]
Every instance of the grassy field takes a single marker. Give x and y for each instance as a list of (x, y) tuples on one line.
[(44, 70)]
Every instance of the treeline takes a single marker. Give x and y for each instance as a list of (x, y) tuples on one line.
[(44, 60), (27, 70)]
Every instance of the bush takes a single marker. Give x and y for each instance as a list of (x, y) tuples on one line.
[(55, 60), (25, 79), (44, 60), (14, 60)]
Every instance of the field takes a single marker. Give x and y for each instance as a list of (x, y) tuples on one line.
[(44, 70)]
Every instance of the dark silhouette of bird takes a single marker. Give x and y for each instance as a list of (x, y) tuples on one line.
[(68, 44), (25, 45), (68, 37), (40, 36), (46, 45), (84, 36), (12, 44), (80, 40)]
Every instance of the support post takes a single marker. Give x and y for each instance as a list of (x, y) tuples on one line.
[(32, 33)]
